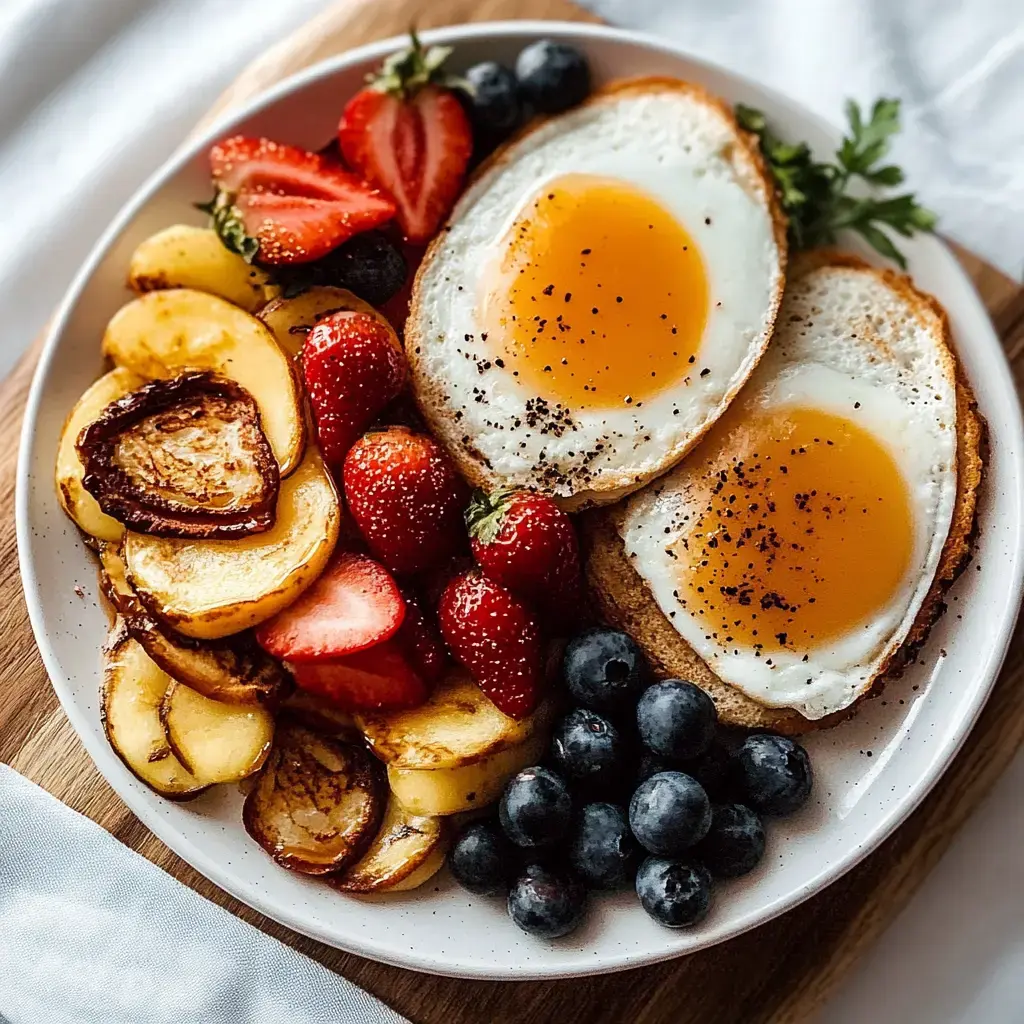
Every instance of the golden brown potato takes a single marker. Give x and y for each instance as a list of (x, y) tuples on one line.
[(164, 333), (213, 588), (402, 845), (133, 689), (183, 256), (446, 791), (456, 726), (76, 501), (317, 803), (216, 742)]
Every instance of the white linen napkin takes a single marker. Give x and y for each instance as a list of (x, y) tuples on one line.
[(93, 933)]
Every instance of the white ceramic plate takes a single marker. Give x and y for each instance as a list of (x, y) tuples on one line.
[(870, 773)]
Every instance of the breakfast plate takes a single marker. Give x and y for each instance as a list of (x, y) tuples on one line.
[(870, 772)]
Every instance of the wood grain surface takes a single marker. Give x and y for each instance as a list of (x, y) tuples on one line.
[(781, 972)]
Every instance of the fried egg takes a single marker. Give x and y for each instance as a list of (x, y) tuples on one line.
[(600, 295), (795, 546)]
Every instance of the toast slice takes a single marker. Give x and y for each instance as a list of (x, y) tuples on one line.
[(627, 602)]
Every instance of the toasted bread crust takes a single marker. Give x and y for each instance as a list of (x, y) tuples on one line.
[(626, 602), (433, 408)]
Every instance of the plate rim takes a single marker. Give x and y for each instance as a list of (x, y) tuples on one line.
[(140, 803)]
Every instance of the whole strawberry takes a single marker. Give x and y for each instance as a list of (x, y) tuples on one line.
[(406, 498), (353, 367), (496, 637), (526, 543)]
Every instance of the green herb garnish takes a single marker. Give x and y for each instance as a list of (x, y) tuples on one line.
[(814, 195)]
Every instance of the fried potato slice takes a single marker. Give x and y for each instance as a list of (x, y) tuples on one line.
[(163, 333), (216, 742), (235, 670), (445, 791), (290, 320), (133, 689), (184, 256), (214, 588), (76, 501), (402, 845), (317, 803), (423, 873), (456, 726), (184, 457)]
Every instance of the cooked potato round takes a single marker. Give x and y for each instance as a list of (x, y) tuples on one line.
[(216, 742), (76, 501), (402, 845), (457, 725), (133, 689), (317, 803), (446, 791), (162, 334), (184, 256), (213, 588)]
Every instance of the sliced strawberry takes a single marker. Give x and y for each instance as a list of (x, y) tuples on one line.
[(352, 367), (353, 605), (496, 636), (284, 204), (409, 135), (378, 677)]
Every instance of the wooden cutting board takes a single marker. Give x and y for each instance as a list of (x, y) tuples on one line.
[(781, 972)]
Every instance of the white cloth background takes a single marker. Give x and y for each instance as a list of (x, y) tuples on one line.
[(94, 95)]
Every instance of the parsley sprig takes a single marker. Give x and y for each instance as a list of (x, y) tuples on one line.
[(815, 195)]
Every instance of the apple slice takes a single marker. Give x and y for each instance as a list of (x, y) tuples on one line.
[(213, 588), (317, 803), (216, 742), (163, 333), (133, 689)]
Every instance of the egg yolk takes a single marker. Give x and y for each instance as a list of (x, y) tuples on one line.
[(600, 298), (805, 531)]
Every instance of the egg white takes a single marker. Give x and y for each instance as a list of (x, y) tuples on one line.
[(681, 152), (877, 372)]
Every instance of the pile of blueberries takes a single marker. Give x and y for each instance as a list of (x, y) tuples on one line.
[(549, 77), (637, 790)]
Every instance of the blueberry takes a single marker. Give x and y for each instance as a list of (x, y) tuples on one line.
[(535, 809), (669, 813), (586, 747), (546, 901), (552, 76), (734, 844), (674, 893), (603, 669), (775, 773), (716, 771), (482, 859), (494, 104), (602, 849), (368, 264), (676, 719)]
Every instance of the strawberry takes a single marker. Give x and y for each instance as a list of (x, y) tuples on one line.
[(408, 134), (378, 677), (406, 498), (353, 605), (353, 367), (283, 204), (526, 543), (420, 640), (494, 635)]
